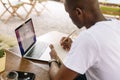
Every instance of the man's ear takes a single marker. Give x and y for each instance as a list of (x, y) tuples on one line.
[(78, 11)]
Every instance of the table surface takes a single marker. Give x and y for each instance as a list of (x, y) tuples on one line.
[(14, 62)]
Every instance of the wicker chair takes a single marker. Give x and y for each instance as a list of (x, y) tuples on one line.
[(12, 8)]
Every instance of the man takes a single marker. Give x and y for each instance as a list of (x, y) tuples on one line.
[(96, 51)]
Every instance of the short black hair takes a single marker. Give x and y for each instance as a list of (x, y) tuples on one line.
[(72, 3), (82, 4)]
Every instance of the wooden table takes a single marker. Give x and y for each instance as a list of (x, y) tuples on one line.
[(14, 62)]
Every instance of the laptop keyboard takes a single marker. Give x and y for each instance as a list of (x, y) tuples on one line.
[(38, 49)]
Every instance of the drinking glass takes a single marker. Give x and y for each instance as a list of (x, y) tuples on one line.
[(12, 75)]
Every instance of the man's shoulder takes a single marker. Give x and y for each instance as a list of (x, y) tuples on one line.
[(102, 25), (108, 22)]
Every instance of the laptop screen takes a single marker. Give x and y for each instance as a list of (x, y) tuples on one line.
[(25, 36)]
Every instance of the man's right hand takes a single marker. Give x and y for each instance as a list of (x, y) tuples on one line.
[(66, 43)]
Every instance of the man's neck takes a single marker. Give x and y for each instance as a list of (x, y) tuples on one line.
[(96, 19)]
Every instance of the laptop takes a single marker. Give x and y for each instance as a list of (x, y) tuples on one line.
[(29, 46)]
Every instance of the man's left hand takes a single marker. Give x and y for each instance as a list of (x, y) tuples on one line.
[(53, 53)]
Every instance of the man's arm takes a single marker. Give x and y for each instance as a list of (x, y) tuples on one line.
[(62, 73), (54, 68), (59, 73)]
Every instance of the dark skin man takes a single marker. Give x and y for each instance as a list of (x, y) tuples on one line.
[(83, 13)]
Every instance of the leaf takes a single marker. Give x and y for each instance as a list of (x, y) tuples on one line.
[(1, 53)]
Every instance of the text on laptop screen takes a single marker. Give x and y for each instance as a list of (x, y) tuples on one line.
[(26, 36)]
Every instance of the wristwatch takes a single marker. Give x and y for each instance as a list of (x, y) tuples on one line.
[(53, 60)]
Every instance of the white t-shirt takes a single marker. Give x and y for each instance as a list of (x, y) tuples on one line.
[(96, 52)]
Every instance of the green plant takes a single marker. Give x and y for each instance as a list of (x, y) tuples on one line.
[(2, 53)]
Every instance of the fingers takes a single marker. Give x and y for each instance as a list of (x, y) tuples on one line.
[(66, 43), (51, 46), (66, 47), (62, 40), (53, 53), (65, 40)]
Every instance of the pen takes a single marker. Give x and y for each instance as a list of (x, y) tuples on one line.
[(69, 35)]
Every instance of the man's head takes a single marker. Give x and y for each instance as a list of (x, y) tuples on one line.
[(83, 12)]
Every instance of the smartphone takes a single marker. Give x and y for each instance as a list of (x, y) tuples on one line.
[(25, 75)]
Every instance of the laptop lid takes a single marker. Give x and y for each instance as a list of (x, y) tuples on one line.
[(26, 37)]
